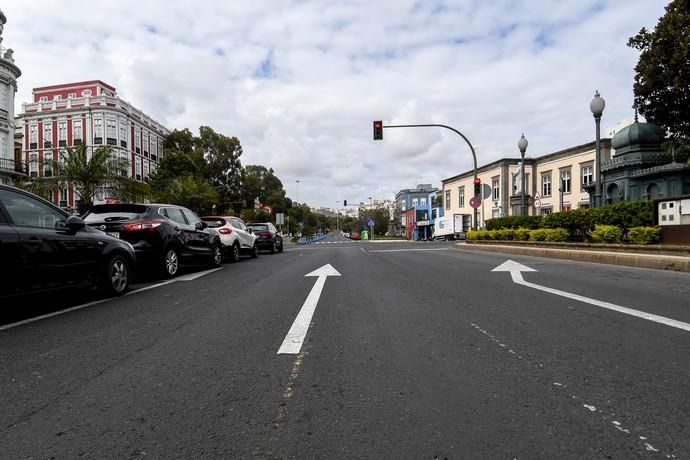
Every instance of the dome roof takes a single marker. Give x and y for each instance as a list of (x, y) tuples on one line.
[(638, 134)]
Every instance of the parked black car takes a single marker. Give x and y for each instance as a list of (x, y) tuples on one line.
[(165, 236), (268, 237), (43, 249)]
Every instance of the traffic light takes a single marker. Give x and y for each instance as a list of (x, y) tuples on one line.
[(378, 130), (477, 186), (344, 202)]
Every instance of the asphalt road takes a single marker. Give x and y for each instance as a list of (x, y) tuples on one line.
[(415, 351)]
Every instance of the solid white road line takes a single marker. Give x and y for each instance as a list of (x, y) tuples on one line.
[(410, 250), (517, 278), (190, 277), (298, 331)]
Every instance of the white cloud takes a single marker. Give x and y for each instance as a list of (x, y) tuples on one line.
[(490, 69)]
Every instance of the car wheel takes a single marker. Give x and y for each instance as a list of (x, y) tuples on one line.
[(116, 275), (170, 263), (235, 253), (255, 251), (217, 255), (274, 247)]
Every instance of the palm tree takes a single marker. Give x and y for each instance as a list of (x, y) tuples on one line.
[(88, 176)]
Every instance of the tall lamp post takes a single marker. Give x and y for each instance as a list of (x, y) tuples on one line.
[(597, 107), (522, 145), (337, 217)]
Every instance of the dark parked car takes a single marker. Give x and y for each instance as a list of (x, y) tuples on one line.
[(163, 235), (43, 248), (268, 237)]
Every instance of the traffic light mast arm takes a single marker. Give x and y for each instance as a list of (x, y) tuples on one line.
[(474, 155)]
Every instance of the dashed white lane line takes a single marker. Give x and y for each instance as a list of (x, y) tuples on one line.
[(591, 408)]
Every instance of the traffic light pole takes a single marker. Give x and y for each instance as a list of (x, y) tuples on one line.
[(474, 155)]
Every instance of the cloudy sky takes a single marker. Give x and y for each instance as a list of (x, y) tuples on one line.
[(299, 82)]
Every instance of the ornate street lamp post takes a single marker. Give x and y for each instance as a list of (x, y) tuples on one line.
[(522, 145), (597, 107)]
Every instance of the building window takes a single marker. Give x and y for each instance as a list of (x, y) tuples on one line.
[(47, 164), (76, 131), (97, 130), (72, 96), (145, 140), (546, 184), (43, 99), (86, 93), (146, 169), (496, 189), (33, 165), (565, 181), (461, 196), (47, 134), (111, 131), (422, 201), (137, 140), (137, 167), (33, 137), (587, 175), (123, 134), (447, 199), (414, 202), (57, 97), (63, 198), (3, 144), (62, 134)]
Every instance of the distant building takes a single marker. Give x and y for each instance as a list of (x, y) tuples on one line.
[(10, 167), (67, 115), (419, 199)]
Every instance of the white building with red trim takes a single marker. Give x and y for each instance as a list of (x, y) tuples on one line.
[(67, 115)]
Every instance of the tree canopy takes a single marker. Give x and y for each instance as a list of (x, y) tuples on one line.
[(662, 79)]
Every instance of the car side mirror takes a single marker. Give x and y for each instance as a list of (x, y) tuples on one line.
[(201, 225), (74, 224)]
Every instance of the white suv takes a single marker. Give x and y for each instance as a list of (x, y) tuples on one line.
[(235, 237)]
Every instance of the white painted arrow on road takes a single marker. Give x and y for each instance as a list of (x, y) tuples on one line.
[(516, 270), (295, 336)]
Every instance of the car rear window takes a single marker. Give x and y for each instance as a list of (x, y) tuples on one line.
[(213, 223), (259, 227), (114, 212)]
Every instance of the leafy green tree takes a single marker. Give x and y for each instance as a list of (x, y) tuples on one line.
[(90, 176), (192, 192), (221, 156), (261, 182), (662, 80)]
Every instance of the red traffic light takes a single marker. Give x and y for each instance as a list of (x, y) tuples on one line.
[(378, 130), (477, 180)]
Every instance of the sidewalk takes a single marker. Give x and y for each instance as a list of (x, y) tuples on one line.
[(680, 261)]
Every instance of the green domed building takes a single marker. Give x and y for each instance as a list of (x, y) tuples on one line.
[(640, 169)]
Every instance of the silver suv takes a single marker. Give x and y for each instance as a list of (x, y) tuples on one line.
[(235, 237)]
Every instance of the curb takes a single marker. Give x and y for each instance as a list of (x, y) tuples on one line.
[(653, 261)]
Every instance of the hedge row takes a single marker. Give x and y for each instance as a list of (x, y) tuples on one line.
[(520, 234), (581, 223), (601, 234)]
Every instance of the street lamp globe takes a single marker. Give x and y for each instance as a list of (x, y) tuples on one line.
[(522, 143), (597, 105)]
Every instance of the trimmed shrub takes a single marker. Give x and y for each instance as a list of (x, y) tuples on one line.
[(644, 235), (505, 234), (513, 222), (557, 234), (473, 235), (538, 234), (522, 234), (607, 234)]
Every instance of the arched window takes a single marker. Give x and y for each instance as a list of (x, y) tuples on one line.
[(653, 191)]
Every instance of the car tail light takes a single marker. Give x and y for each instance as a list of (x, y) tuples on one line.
[(225, 231), (146, 225), (265, 234)]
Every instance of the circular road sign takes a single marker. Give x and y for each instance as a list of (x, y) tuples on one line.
[(475, 202)]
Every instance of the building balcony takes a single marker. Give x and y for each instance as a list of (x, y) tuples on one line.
[(14, 167)]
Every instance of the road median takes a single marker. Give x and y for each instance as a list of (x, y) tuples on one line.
[(675, 258)]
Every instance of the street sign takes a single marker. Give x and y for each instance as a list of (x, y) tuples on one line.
[(370, 223), (475, 202), (486, 191), (537, 203), (280, 218)]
